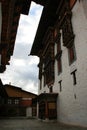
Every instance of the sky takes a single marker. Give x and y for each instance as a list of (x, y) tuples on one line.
[(23, 71)]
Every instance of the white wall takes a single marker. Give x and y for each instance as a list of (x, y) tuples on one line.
[(71, 110), (84, 2)]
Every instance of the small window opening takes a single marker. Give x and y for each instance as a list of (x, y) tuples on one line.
[(60, 84), (74, 77)]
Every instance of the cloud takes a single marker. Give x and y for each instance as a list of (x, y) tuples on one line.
[(22, 51), (23, 71), (28, 24)]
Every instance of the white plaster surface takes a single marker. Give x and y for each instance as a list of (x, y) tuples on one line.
[(73, 110)]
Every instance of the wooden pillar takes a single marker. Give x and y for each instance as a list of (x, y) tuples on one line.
[(37, 109), (46, 110)]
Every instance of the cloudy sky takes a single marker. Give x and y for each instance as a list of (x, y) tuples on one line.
[(23, 71)]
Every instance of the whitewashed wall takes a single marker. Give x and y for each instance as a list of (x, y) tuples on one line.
[(73, 110), (72, 100)]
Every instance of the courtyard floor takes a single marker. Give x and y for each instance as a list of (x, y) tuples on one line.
[(33, 124)]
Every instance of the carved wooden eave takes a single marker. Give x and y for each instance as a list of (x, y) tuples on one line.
[(47, 20), (2, 68), (48, 40), (64, 22), (67, 30), (47, 57), (56, 15), (11, 11), (41, 2), (50, 14)]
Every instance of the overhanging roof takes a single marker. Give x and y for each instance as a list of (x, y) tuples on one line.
[(47, 97), (47, 19), (41, 2), (14, 91), (11, 10)]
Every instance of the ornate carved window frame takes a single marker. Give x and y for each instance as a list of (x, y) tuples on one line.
[(49, 66), (59, 52), (46, 65), (67, 31), (72, 54), (65, 23)]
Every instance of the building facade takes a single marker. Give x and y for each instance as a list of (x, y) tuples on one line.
[(15, 102), (61, 46)]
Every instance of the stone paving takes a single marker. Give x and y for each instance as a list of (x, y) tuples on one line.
[(33, 124)]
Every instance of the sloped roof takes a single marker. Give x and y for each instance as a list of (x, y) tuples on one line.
[(13, 91)]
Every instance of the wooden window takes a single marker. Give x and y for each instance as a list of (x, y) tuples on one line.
[(49, 66), (16, 101), (9, 101), (66, 25), (48, 75), (72, 2), (72, 54), (58, 55), (59, 65)]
